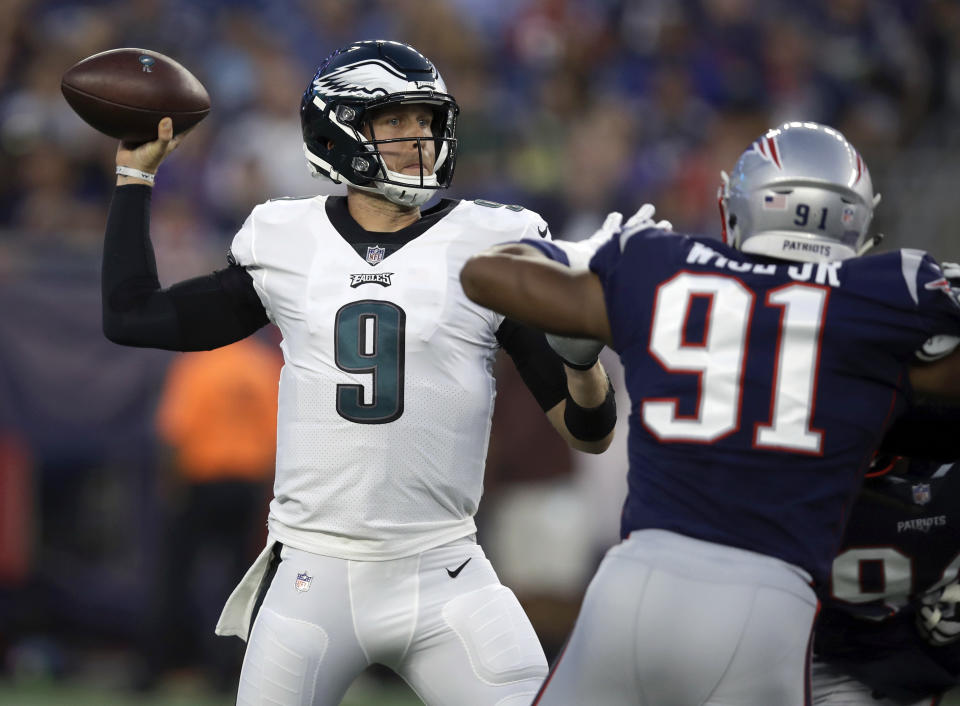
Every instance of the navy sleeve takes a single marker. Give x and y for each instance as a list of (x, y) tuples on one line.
[(549, 249), (197, 314), (935, 299), (624, 263)]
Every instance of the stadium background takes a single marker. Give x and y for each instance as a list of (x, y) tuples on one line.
[(572, 108)]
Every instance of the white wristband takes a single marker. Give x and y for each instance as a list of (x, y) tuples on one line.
[(135, 173)]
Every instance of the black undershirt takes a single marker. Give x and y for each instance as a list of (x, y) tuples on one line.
[(223, 307), (928, 433), (361, 239)]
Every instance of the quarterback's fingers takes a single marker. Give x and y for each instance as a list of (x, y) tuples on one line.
[(165, 130)]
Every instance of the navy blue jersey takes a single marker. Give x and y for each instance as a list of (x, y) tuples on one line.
[(761, 388), (903, 539)]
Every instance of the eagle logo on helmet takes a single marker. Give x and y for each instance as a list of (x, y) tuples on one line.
[(368, 79)]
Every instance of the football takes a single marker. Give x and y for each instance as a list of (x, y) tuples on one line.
[(124, 93)]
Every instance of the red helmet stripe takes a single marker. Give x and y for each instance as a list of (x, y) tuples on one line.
[(774, 154)]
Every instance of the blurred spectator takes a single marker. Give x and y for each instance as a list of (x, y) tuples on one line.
[(259, 154), (218, 415)]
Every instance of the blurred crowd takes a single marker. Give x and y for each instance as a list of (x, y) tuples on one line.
[(570, 107)]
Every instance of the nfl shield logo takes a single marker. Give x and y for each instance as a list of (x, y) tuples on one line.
[(303, 581), (847, 215), (921, 493), (375, 254)]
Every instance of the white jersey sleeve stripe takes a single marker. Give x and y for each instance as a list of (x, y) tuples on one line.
[(910, 267)]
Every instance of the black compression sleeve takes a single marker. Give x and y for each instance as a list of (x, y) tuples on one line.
[(925, 432), (541, 368), (591, 423), (197, 314)]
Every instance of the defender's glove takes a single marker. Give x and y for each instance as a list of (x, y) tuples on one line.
[(951, 270), (580, 252), (938, 619), (582, 353), (643, 219)]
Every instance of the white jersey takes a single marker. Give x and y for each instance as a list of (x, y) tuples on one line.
[(386, 394)]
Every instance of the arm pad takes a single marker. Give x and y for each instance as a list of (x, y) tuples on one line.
[(591, 423)]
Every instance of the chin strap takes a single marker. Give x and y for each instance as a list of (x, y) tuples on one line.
[(871, 242), (874, 240), (723, 191), (405, 195)]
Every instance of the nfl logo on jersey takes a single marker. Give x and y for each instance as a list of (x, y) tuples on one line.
[(303, 581), (921, 493), (375, 254)]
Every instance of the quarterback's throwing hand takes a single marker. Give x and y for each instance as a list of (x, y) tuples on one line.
[(148, 156)]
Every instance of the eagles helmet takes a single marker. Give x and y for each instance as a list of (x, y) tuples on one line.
[(361, 77), (800, 192)]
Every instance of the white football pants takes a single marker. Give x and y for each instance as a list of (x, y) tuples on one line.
[(440, 619), (674, 621), (831, 687)]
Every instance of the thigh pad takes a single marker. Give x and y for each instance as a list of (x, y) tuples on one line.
[(497, 635)]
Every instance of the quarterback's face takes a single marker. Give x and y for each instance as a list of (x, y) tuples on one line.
[(403, 121)]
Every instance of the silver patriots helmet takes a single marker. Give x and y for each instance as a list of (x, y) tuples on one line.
[(365, 76), (800, 192)]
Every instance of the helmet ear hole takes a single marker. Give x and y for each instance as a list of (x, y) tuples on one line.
[(732, 221)]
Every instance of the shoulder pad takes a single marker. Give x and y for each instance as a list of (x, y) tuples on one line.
[(289, 198), (494, 216)]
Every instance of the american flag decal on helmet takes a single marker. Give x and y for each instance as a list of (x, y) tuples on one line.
[(767, 148)]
